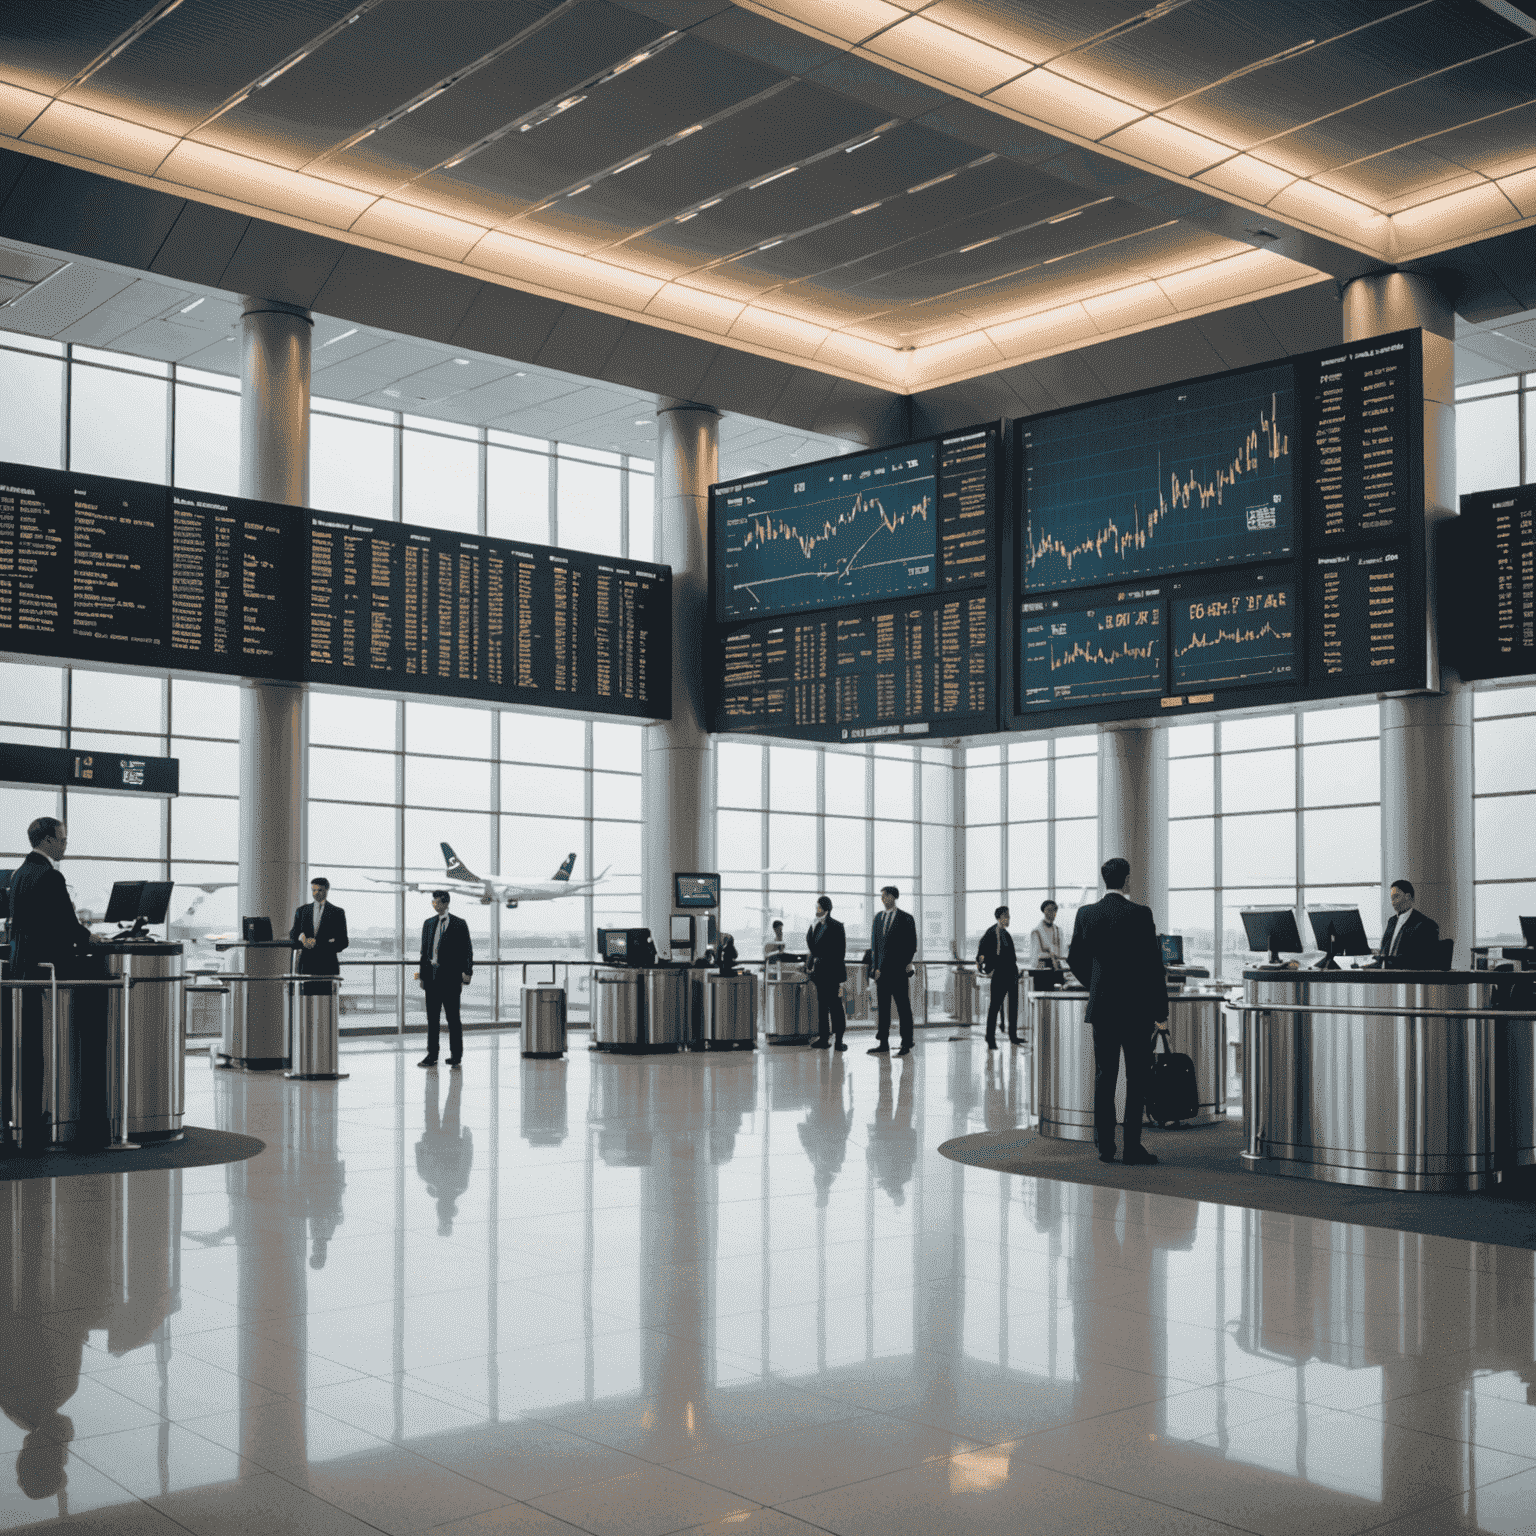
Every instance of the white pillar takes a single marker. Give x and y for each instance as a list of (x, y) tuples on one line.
[(1133, 810), (1426, 741), (274, 466), (677, 834)]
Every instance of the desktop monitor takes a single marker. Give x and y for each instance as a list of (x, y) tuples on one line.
[(125, 901), (613, 944), (1338, 931), (682, 930), (696, 892), (1528, 928), (1272, 930), (155, 906), (256, 930), (1173, 948)]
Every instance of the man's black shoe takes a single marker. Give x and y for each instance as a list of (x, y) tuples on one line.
[(454, 1062), (839, 1046), (427, 1061), (821, 1045), (1140, 1156), (879, 1050), (1107, 1157), (991, 1045), (906, 1050)]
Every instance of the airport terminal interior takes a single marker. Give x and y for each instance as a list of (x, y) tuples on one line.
[(640, 469)]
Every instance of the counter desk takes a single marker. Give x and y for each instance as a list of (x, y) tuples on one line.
[(1062, 1082), (1395, 1081)]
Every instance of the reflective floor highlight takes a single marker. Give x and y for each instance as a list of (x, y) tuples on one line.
[(737, 1293)]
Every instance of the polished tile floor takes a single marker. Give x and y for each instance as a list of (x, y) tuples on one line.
[(736, 1293)]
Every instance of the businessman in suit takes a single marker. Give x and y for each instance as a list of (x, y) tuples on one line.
[(1412, 940), (893, 944), (319, 934), (997, 958), (447, 967), (826, 950), (1115, 954), (45, 932)]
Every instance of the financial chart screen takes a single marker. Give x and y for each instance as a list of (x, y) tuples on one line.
[(1239, 636), (1080, 655), (1182, 479)]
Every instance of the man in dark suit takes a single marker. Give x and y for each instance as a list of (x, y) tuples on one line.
[(893, 945), (1115, 954), (44, 932), (1412, 940), (826, 951), (997, 958), (319, 934), (447, 967)]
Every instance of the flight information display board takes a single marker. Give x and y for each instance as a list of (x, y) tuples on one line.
[(99, 569), (1264, 527), (1488, 583), (868, 527)]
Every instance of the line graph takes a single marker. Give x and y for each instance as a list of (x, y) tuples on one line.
[(1096, 653), (1242, 637), (855, 531), (1193, 476)]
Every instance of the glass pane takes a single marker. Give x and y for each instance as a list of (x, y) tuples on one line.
[(617, 747), (617, 795), (1258, 781), (117, 424), (450, 782), (1367, 899), (938, 782), (122, 360), (1344, 773), (34, 694), (354, 834), (112, 826), (351, 467), (588, 497), (846, 854), (550, 791), (205, 709), (18, 809), (739, 840), (517, 495), (1029, 790), (938, 848), (739, 774), (979, 906), (1502, 755), (1077, 787), (1266, 731), (205, 829), (196, 913), (1499, 910), (893, 852), (893, 788), (335, 774), (117, 701), (642, 517), (207, 452), (1191, 913), (352, 722), (1191, 740), (983, 795), (1191, 852), (1506, 829), (1077, 858), (31, 425), (845, 783), (91, 880), (442, 728), (1342, 847), (1336, 724), (1077, 746), (468, 833), (207, 768), (1487, 444), (543, 739), (1191, 786), (440, 482), (1503, 701), (791, 843), (791, 779), (1028, 853), (534, 847), (983, 859), (1259, 850)]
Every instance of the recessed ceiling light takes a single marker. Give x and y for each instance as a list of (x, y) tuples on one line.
[(334, 339), (865, 209), (710, 204), (977, 245), (640, 421), (789, 170), (193, 305), (580, 190), (923, 186), (629, 165), (863, 143), (1061, 218), (520, 375), (683, 218), (463, 362)]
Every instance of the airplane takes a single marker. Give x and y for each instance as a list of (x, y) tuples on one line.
[(463, 881)]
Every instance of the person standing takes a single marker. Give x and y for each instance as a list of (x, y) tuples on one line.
[(1116, 955), (447, 967), (1045, 952), (775, 946), (826, 949), (46, 933), (893, 945), (319, 933), (996, 957)]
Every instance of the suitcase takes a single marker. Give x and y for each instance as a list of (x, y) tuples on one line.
[(1172, 1094)]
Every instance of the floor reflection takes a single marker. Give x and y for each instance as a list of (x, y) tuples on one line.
[(655, 1293)]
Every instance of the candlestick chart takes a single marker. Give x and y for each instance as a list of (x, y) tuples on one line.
[(1243, 636), (1095, 653), (1192, 477), (855, 531)]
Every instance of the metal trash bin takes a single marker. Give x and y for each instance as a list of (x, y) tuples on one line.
[(543, 1013), (789, 1010), (156, 1089), (856, 991), (963, 1007), (725, 1010), (666, 1008), (618, 1010), (315, 1034)]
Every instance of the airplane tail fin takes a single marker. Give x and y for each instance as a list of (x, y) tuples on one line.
[(455, 865), (564, 872)]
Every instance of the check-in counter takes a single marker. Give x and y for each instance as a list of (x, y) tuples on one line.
[(1397, 1081), (1064, 1066)]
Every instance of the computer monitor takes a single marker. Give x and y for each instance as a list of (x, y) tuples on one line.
[(1528, 928), (695, 892), (256, 930), (682, 930), (1272, 930), (155, 906), (1173, 948), (1338, 931), (124, 902), (613, 944)]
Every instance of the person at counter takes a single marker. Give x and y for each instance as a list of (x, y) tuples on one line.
[(893, 946), (776, 945), (1412, 940), (997, 958), (1045, 951), (319, 933), (45, 932), (447, 967), (1115, 954), (826, 949)]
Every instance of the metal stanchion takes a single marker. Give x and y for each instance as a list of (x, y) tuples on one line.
[(119, 1121), (53, 1006)]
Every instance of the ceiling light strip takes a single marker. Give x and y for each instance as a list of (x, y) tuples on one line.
[(122, 41)]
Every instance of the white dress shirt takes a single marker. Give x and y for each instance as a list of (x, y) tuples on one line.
[(1045, 945)]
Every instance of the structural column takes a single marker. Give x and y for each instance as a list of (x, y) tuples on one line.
[(677, 833), (1133, 810), (274, 466), (1426, 741)]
